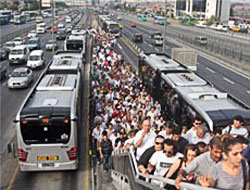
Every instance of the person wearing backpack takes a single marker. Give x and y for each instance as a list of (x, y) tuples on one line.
[(236, 129)]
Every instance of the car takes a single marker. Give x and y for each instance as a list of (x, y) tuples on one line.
[(243, 30), (60, 25), (49, 45), (18, 41), (221, 27), (121, 26), (155, 22), (36, 59), (236, 29), (3, 71), (68, 29), (55, 30), (33, 43), (21, 77), (213, 26), (133, 24), (18, 55), (60, 35), (137, 38), (9, 45), (201, 40), (32, 34), (119, 18), (3, 54), (48, 27)]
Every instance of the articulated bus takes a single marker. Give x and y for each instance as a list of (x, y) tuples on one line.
[(47, 123), (112, 27), (185, 95), (19, 19)]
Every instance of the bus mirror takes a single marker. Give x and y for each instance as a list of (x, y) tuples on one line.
[(16, 121), (75, 119)]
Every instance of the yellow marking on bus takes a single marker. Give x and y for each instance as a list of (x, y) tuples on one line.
[(13, 178)]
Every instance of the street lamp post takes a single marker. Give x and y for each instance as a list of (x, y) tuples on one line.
[(165, 24)]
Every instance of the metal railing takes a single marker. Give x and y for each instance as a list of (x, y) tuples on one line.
[(162, 181), (16, 33)]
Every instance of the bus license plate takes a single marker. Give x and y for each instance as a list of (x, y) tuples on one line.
[(48, 164), (47, 158)]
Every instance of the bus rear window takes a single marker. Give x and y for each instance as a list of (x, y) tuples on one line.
[(36, 132), (74, 45)]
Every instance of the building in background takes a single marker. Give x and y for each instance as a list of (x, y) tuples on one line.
[(219, 9)]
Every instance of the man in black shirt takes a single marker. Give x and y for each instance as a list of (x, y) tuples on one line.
[(145, 157), (105, 150), (179, 141)]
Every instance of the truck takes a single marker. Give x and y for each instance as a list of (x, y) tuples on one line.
[(185, 56)]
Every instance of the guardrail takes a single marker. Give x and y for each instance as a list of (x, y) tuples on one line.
[(138, 177), (16, 33)]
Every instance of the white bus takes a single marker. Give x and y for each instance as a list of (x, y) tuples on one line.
[(47, 122), (75, 43), (112, 27)]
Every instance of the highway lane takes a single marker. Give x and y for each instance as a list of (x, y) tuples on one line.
[(11, 100), (6, 29), (223, 78), (217, 43), (67, 180)]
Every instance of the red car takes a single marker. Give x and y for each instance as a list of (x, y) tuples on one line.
[(55, 30), (133, 24), (155, 22)]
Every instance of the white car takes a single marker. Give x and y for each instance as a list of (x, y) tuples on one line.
[(19, 54), (9, 45), (20, 78), (201, 24), (36, 59), (32, 34), (60, 25), (19, 41), (49, 45), (213, 26), (221, 27)]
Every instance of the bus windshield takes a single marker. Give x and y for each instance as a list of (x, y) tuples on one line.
[(35, 132), (113, 26), (74, 45)]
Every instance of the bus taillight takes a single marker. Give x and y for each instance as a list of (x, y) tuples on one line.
[(22, 155), (72, 153)]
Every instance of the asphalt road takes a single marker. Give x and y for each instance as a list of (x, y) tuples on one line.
[(231, 48), (79, 179), (232, 82)]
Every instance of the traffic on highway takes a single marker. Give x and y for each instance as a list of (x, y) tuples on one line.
[(103, 97)]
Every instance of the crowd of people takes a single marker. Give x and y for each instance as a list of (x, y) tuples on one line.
[(124, 114)]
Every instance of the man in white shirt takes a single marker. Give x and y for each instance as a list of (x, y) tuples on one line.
[(161, 161), (201, 135), (193, 130), (144, 138), (236, 129), (167, 131)]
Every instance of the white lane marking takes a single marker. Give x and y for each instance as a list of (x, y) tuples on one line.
[(5, 83), (228, 80), (119, 46), (156, 49), (248, 91), (211, 70)]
